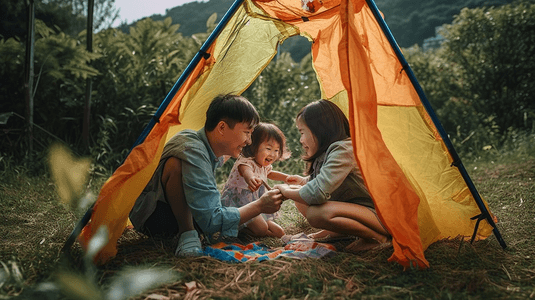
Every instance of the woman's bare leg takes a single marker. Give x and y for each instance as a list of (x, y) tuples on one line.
[(348, 218), (302, 208)]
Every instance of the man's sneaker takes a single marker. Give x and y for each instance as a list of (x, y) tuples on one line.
[(189, 244)]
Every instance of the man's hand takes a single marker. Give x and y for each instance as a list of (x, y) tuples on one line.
[(271, 201)]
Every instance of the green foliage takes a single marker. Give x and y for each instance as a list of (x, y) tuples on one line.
[(470, 81), (61, 66), (69, 16), (11, 66), (104, 11), (138, 70), (131, 75), (487, 46)]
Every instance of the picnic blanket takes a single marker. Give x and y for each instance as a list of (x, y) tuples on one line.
[(298, 249)]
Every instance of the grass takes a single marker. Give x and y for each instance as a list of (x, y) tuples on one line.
[(34, 226)]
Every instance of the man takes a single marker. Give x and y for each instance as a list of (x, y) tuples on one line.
[(182, 194)]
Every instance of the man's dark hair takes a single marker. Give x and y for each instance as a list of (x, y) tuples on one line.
[(327, 123), (231, 109)]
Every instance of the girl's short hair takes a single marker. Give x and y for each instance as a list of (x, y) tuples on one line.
[(265, 132), (232, 109), (327, 123)]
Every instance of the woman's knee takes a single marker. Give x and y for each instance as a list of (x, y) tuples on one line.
[(316, 216)]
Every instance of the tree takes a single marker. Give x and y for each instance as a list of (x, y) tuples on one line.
[(105, 12), (492, 50), (137, 71), (61, 67), (479, 80)]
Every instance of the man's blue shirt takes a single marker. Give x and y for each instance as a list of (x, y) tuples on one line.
[(199, 164)]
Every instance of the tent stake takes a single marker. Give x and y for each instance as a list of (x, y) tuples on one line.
[(156, 117), (457, 161)]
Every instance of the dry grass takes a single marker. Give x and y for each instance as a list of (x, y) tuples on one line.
[(33, 228)]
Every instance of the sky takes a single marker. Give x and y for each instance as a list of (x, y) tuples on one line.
[(132, 10)]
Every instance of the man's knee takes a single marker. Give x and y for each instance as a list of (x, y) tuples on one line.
[(172, 170), (172, 181)]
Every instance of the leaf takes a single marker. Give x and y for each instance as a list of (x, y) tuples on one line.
[(134, 281), (76, 286), (69, 173), (97, 242)]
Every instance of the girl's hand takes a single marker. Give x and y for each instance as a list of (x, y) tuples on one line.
[(283, 188), (296, 179), (253, 182)]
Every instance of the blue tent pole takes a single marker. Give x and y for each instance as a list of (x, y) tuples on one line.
[(156, 117), (485, 215)]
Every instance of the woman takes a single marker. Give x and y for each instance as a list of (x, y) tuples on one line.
[(333, 197)]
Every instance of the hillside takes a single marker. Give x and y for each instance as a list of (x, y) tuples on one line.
[(411, 21)]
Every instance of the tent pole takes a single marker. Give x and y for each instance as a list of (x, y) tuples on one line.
[(485, 215), (156, 117)]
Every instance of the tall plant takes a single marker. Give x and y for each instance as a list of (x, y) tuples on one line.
[(137, 71)]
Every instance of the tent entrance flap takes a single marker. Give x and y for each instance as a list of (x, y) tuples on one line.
[(485, 214)]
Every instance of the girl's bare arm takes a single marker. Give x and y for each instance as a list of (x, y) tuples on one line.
[(277, 176)]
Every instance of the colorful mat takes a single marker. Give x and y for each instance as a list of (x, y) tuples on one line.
[(233, 252)]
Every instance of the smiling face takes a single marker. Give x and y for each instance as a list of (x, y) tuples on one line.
[(308, 140), (236, 138), (268, 152)]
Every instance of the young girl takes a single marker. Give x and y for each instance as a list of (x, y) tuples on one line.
[(248, 178), (333, 196)]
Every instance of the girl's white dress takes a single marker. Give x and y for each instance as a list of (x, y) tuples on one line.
[(236, 193)]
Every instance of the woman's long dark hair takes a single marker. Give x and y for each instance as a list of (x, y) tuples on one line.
[(327, 123)]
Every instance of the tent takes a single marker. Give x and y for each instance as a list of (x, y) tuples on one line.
[(421, 189)]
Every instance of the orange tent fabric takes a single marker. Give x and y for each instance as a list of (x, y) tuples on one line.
[(419, 196)]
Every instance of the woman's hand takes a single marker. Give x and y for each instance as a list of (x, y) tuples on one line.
[(296, 179), (285, 189), (290, 192)]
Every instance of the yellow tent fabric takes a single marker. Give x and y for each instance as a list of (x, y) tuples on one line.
[(419, 197)]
